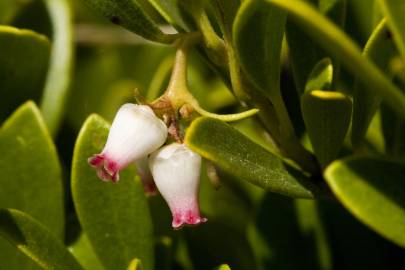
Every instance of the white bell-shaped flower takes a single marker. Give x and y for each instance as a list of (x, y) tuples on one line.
[(176, 171), (134, 133), (144, 173)]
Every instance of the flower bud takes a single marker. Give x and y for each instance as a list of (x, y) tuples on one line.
[(176, 171), (144, 173), (134, 133)]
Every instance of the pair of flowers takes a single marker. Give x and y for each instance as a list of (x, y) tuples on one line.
[(136, 135)]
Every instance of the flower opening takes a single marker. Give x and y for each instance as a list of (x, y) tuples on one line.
[(134, 133), (176, 171)]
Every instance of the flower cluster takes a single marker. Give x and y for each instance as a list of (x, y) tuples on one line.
[(135, 136)]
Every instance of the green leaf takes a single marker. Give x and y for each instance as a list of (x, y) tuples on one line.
[(334, 40), (327, 118), (35, 241), (373, 190), (380, 49), (115, 217), (394, 10), (33, 181), (321, 76), (169, 9), (21, 79), (61, 63), (129, 14), (84, 253), (259, 50), (237, 155)]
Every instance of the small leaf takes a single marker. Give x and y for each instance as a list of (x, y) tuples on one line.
[(380, 49), (21, 79), (239, 156), (321, 76), (331, 38), (372, 190), (129, 14), (35, 241), (327, 118), (394, 10), (259, 50), (31, 173), (115, 217)]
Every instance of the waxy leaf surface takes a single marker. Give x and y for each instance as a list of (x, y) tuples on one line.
[(129, 14), (115, 217), (35, 241), (336, 42), (239, 156), (327, 118), (21, 79), (373, 190), (259, 50), (31, 178)]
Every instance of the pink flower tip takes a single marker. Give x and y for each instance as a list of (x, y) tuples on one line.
[(106, 169), (189, 217)]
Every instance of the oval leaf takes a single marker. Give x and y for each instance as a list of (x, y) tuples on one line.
[(129, 14), (259, 50), (35, 241), (374, 191), (115, 217), (380, 49), (327, 118), (331, 38), (21, 79), (239, 156), (394, 10), (29, 162)]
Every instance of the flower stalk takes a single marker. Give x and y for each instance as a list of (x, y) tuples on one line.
[(177, 92)]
